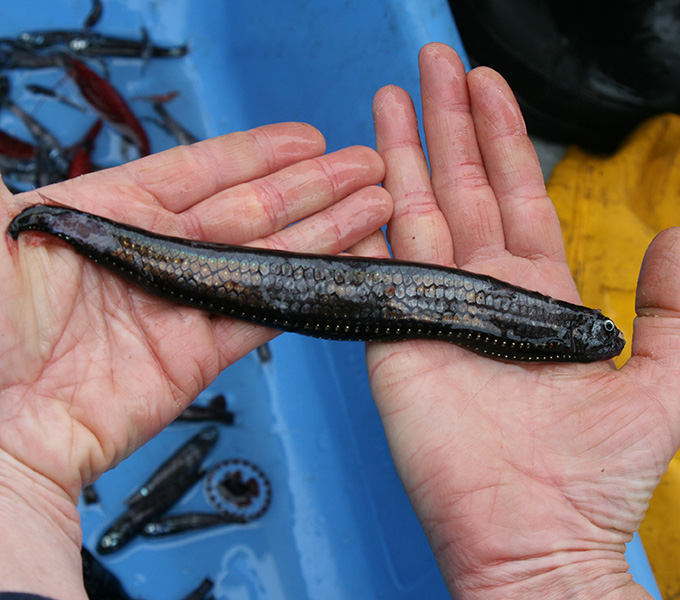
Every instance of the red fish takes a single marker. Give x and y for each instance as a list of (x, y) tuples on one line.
[(110, 105), (15, 148), (81, 163)]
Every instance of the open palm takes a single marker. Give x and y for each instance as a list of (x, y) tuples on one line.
[(92, 367), (528, 479)]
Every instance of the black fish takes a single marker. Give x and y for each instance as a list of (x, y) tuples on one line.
[(90, 495), (87, 43), (216, 410), (51, 159), (132, 521), (100, 583), (264, 353), (94, 15), (12, 57), (337, 297), (181, 523), (184, 460)]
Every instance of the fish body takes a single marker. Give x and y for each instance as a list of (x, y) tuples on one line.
[(215, 410), (13, 147), (126, 527), (90, 44), (182, 523), (186, 459), (100, 583), (12, 57), (342, 298), (81, 160), (172, 126), (109, 104)]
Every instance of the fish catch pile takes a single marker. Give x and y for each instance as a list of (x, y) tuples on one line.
[(237, 490), (79, 60)]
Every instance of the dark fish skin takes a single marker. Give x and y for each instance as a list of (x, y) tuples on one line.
[(94, 15), (342, 298), (202, 591), (100, 583), (181, 523), (216, 410), (185, 459), (90, 44), (124, 529), (172, 126), (17, 58), (90, 495), (42, 90), (264, 353)]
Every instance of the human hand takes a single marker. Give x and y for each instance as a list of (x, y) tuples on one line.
[(528, 479), (93, 367)]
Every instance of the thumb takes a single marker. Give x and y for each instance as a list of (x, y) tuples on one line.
[(656, 337)]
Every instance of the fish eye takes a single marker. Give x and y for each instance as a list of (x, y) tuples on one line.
[(609, 325), (77, 44)]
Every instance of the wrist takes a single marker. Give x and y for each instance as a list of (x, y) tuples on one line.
[(41, 535), (585, 575)]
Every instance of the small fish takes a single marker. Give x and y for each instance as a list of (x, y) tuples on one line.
[(4, 89), (264, 353), (90, 495), (181, 523), (13, 147), (12, 57), (81, 161), (109, 104), (166, 121), (124, 529), (20, 168), (41, 90), (42, 135), (185, 459), (100, 583), (216, 410), (173, 127), (50, 157), (89, 44)]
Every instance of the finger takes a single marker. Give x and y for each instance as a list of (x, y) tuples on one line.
[(655, 355), (338, 227), (458, 173), (657, 326), (418, 230), (261, 207), (178, 178), (530, 222), (373, 245)]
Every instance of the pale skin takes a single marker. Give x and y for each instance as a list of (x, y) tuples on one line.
[(528, 480), (93, 368)]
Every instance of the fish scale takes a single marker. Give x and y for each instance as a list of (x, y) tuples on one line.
[(341, 298)]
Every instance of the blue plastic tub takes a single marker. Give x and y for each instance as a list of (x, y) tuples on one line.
[(340, 525)]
